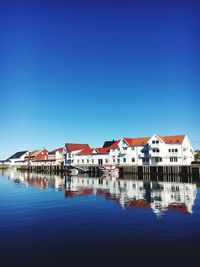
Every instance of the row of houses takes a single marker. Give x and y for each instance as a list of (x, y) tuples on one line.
[(153, 151)]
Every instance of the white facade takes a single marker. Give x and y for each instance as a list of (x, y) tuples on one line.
[(71, 157), (18, 160), (94, 158), (56, 157), (153, 151)]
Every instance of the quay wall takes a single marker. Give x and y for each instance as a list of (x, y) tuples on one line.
[(180, 170)]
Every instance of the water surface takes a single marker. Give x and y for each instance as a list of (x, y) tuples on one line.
[(49, 220)]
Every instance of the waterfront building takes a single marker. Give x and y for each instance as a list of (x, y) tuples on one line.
[(37, 155), (149, 151), (56, 156), (92, 156), (70, 151), (17, 158)]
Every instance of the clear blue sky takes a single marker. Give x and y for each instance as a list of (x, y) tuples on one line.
[(88, 71)]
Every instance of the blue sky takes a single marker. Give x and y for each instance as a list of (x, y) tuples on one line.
[(88, 71)]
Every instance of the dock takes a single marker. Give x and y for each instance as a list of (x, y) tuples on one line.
[(193, 170)]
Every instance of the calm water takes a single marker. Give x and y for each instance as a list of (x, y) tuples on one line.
[(54, 221)]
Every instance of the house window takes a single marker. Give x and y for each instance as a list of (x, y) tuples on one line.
[(133, 159), (114, 160), (106, 160), (124, 160), (157, 142), (92, 161), (153, 142), (158, 159), (176, 150), (88, 161), (132, 148), (78, 161), (82, 160), (124, 148), (169, 150), (173, 159)]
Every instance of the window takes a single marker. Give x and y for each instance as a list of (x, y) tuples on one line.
[(169, 150), (133, 159), (172, 150), (158, 159), (173, 159), (78, 161), (124, 160), (92, 161), (124, 148), (88, 161), (132, 148), (157, 142), (114, 160), (153, 142), (106, 160), (82, 160), (176, 150)]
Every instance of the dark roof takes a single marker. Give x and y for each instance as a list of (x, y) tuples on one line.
[(17, 155), (108, 143)]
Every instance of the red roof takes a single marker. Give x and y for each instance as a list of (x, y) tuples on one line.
[(102, 150), (86, 151), (115, 144), (72, 147), (174, 139), (140, 141), (58, 149)]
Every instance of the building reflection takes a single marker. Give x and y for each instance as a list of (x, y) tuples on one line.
[(160, 195)]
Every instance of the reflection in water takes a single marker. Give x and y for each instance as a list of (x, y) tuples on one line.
[(159, 196)]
